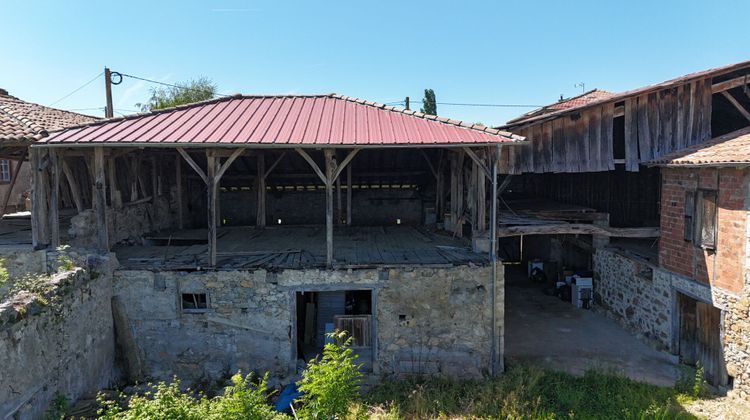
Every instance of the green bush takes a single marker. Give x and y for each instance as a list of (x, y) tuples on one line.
[(64, 261), (331, 384), (242, 400), (3, 273)]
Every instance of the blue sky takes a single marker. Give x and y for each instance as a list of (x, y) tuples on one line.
[(511, 52)]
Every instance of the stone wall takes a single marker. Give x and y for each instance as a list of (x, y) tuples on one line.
[(65, 346), (428, 320), (126, 224), (626, 290)]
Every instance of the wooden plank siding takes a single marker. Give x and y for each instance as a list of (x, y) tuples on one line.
[(655, 124)]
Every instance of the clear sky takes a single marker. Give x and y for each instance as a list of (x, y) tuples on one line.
[(510, 52)]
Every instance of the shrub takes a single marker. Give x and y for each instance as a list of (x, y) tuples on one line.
[(3, 273), (330, 384), (243, 400), (64, 260), (166, 403)]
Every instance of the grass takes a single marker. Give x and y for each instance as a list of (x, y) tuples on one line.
[(525, 392)]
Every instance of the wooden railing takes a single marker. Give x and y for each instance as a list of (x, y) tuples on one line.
[(357, 326)]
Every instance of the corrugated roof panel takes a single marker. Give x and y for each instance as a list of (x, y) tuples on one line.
[(281, 120)]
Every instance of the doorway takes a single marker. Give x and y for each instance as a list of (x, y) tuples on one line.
[(320, 313), (700, 339)]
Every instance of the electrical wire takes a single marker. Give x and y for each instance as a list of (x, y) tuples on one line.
[(77, 89), (163, 83), (471, 104)]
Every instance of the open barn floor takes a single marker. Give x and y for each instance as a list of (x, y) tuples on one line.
[(295, 247)]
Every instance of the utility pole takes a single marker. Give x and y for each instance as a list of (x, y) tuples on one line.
[(407, 103), (108, 111)]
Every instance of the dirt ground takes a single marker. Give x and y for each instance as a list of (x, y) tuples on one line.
[(720, 408)]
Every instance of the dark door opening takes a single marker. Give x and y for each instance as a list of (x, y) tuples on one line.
[(700, 339), (320, 313)]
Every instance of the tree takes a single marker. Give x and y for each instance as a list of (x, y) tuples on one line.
[(182, 93), (429, 106)]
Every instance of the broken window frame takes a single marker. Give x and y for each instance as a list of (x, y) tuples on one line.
[(706, 228), (199, 302)]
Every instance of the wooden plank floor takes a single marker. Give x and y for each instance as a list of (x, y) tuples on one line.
[(294, 247)]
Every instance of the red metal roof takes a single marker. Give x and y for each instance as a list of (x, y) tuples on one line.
[(289, 120), (731, 149)]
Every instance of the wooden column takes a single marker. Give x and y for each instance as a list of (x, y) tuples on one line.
[(212, 196), (339, 203), (154, 179), (100, 200), (496, 351), (261, 199), (54, 199), (39, 188), (481, 183), (349, 195), (440, 189), (330, 169), (134, 178), (17, 169), (178, 181), (75, 192), (115, 198)]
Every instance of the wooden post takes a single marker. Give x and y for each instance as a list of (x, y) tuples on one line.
[(100, 200), (19, 162), (115, 198), (496, 364), (108, 111), (330, 169), (154, 179), (134, 178), (178, 180), (439, 189), (54, 199), (349, 195), (75, 192), (39, 220), (211, 188), (261, 196), (339, 203), (481, 182)]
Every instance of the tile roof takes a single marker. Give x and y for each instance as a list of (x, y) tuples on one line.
[(22, 121), (282, 121), (727, 150), (575, 101)]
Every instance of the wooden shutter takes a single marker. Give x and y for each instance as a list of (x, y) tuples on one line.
[(706, 219), (689, 212)]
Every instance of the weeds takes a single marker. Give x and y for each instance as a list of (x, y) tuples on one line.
[(64, 260)]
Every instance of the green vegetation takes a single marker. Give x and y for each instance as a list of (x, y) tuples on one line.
[(37, 284), (64, 260), (331, 384), (429, 104), (182, 93), (58, 409), (526, 392), (3, 273)]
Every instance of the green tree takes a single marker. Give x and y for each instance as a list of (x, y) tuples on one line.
[(429, 106), (197, 90)]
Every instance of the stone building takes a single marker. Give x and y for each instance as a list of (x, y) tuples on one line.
[(247, 227)]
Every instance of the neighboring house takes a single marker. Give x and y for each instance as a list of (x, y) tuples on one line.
[(658, 177), (22, 123)]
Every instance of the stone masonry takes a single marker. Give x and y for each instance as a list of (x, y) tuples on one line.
[(428, 320)]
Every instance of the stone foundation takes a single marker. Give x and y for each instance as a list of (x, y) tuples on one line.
[(427, 320)]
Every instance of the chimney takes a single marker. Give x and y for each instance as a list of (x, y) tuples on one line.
[(3, 92)]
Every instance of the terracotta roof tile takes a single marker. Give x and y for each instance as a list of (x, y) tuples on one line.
[(727, 150), (26, 121), (575, 101)]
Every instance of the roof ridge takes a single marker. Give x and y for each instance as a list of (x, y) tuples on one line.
[(444, 120), (38, 129)]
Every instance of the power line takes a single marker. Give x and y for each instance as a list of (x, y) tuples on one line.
[(163, 83), (77, 89), (471, 104)]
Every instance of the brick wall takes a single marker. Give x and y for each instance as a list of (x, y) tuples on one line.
[(723, 267)]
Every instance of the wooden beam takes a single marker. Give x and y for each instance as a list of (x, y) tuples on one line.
[(312, 164), (730, 84), (75, 192), (38, 207), (736, 104), (339, 202), (154, 179), (115, 198), (178, 180), (429, 163), (349, 195), (577, 229), (192, 164), (16, 170), (479, 162), (54, 199), (212, 196), (273, 165), (224, 166), (100, 200), (260, 215), (344, 163), (330, 168)]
